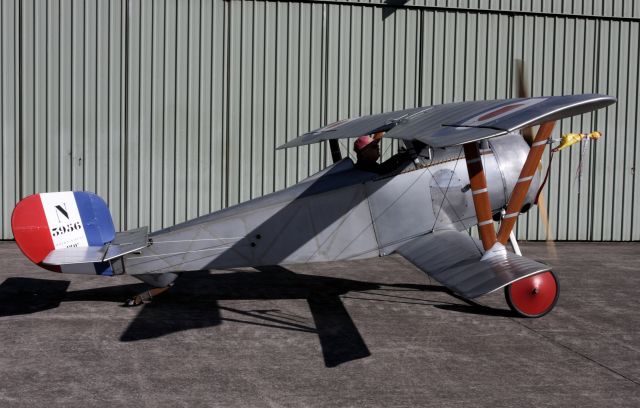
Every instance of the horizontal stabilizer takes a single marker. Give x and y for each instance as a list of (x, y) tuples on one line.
[(127, 242), (453, 259), (80, 255), (124, 243), (458, 123)]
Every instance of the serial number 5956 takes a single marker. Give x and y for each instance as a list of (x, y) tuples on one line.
[(55, 231)]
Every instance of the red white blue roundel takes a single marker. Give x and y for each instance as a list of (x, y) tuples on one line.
[(47, 221), (501, 111)]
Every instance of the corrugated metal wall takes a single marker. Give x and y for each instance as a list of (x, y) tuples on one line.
[(173, 109)]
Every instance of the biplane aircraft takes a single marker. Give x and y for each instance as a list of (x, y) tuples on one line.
[(461, 165)]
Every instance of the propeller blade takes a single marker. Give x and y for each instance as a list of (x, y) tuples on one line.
[(542, 209), (523, 92)]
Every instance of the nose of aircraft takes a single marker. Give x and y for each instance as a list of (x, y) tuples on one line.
[(511, 152)]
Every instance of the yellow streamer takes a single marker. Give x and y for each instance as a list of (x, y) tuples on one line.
[(572, 138)]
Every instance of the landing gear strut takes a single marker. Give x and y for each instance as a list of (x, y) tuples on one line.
[(533, 296)]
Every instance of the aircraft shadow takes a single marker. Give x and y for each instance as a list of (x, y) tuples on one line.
[(192, 303), (19, 296)]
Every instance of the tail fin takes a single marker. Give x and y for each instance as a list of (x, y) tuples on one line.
[(44, 222)]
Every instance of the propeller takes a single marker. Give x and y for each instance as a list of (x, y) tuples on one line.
[(523, 92), (528, 134)]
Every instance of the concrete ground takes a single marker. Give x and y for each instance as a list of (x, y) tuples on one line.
[(373, 333)]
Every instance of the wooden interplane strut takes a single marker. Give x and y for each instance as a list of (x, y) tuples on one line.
[(524, 181), (481, 200)]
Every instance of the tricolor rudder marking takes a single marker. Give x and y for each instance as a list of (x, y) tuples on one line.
[(48, 221)]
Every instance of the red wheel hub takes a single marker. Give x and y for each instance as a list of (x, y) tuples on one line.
[(534, 295)]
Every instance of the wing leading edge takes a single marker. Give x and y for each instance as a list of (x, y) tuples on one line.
[(453, 259), (459, 123)]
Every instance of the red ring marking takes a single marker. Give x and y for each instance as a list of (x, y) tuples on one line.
[(499, 111), (530, 303)]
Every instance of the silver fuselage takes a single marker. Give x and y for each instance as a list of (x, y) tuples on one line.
[(339, 213)]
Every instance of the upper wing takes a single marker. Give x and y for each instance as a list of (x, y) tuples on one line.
[(457, 123), (453, 259)]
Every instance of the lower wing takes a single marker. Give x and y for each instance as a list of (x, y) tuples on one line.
[(454, 259)]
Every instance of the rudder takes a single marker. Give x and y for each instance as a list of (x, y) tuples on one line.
[(44, 222)]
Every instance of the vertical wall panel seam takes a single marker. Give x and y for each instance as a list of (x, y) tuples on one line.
[(382, 60), (569, 158), (624, 136), (3, 145), (475, 57), (174, 136), (444, 43), (581, 184), (615, 150), (186, 141), (46, 97), (108, 102), (420, 56), (71, 110), (3, 148), (592, 153), (96, 130), (486, 58), (372, 79), (18, 95), (362, 63), (239, 102), (138, 165), (405, 52), (199, 166), (71, 127), (287, 152), (577, 180), (497, 73), (606, 147), (275, 100), (298, 94), (602, 198), (455, 58), (464, 60), (310, 86), (186, 127), (264, 97), (554, 232), (82, 159), (152, 136), (163, 192), (635, 139), (252, 125), (226, 105), (124, 138), (324, 63)]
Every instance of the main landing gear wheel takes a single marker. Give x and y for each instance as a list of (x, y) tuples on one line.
[(533, 296)]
